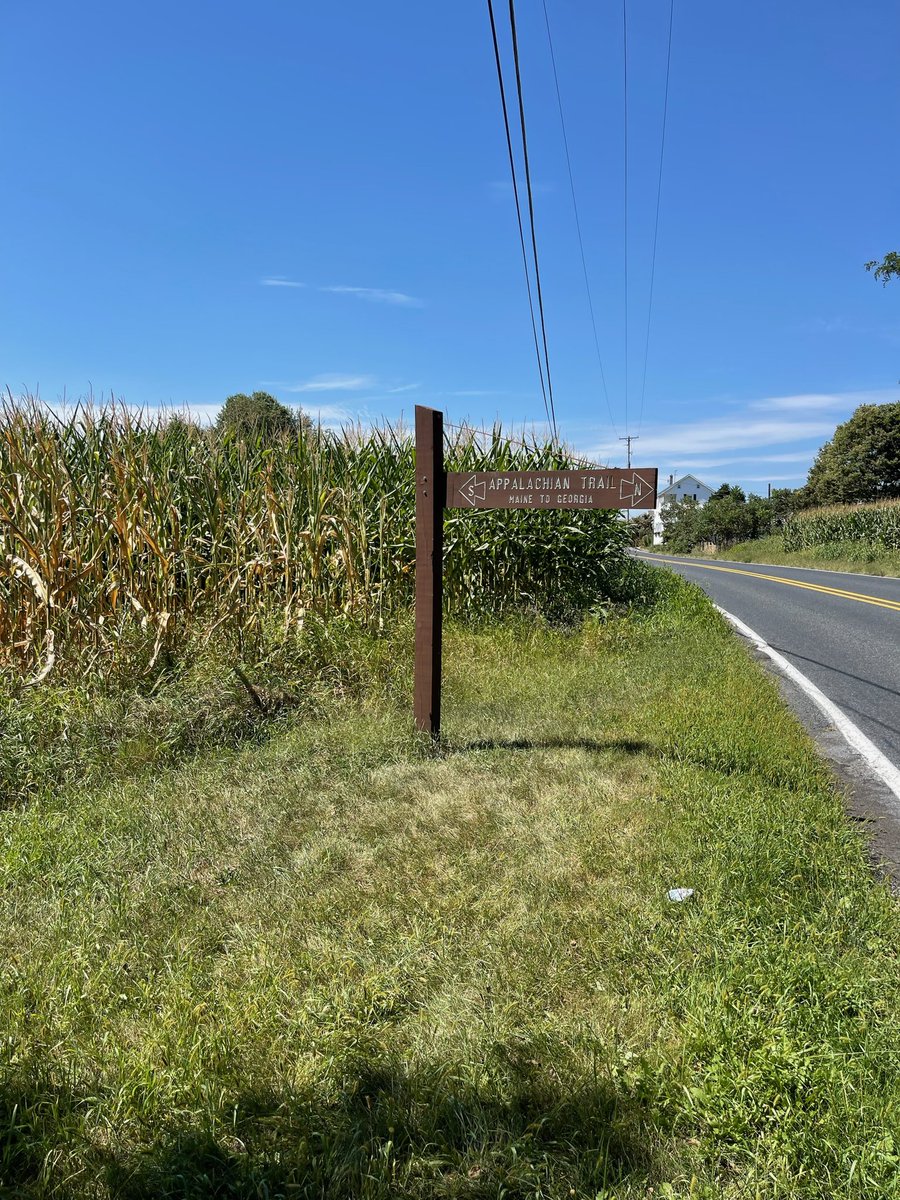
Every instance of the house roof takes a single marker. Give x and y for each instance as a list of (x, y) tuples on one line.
[(684, 479)]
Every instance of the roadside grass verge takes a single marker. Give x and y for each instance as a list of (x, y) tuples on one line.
[(84, 728), (866, 558), (331, 963)]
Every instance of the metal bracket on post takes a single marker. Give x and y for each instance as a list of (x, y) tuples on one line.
[(430, 498)]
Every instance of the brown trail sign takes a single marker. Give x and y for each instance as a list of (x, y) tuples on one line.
[(436, 490), (605, 488)]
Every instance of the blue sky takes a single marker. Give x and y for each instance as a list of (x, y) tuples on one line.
[(313, 199)]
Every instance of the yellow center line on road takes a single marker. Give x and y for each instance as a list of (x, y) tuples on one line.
[(811, 587)]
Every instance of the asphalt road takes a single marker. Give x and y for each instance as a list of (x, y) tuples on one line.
[(841, 630)]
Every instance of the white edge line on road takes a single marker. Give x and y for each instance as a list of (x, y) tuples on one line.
[(877, 762)]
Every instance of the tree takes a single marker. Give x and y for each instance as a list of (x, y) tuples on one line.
[(640, 530), (729, 519), (783, 502), (684, 525), (258, 416), (862, 460), (729, 489), (761, 515), (729, 516), (888, 268)]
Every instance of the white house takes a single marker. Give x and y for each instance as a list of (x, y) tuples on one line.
[(688, 487)]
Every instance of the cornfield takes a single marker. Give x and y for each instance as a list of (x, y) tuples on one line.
[(115, 528), (877, 524)]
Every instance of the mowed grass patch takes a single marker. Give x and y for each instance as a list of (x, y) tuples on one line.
[(336, 964)]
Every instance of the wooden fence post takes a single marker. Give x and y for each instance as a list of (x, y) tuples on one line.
[(430, 489)]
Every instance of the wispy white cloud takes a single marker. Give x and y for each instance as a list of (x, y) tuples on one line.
[(328, 383), (828, 325), (330, 414), (816, 401), (202, 414), (474, 392), (795, 456), (377, 295), (773, 478), (744, 440), (280, 281), (720, 434), (776, 421), (375, 390)]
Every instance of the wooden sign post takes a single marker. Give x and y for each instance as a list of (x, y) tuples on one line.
[(430, 486), (576, 488)]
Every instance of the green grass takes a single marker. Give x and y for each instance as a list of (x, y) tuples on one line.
[(320, 961), (863, 557)]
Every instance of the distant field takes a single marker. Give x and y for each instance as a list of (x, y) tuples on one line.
[(863, 538), (861, 557), (874, 526), (302, 956)]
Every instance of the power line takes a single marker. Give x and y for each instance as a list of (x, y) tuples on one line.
[(625, 204), (514, 441), (512, 167), (517, 442), (587, 283), (662, 151), (537, 269)]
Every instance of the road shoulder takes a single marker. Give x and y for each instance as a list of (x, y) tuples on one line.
[(871, 805)]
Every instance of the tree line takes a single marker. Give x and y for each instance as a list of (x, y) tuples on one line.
[(860, 464)]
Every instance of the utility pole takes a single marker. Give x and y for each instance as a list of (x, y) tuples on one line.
[(628, 439), (632, 437)]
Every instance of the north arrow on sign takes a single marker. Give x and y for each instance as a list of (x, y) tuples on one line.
[(632, 490)]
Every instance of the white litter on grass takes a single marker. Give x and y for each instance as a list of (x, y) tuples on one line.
[(680, 893)]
